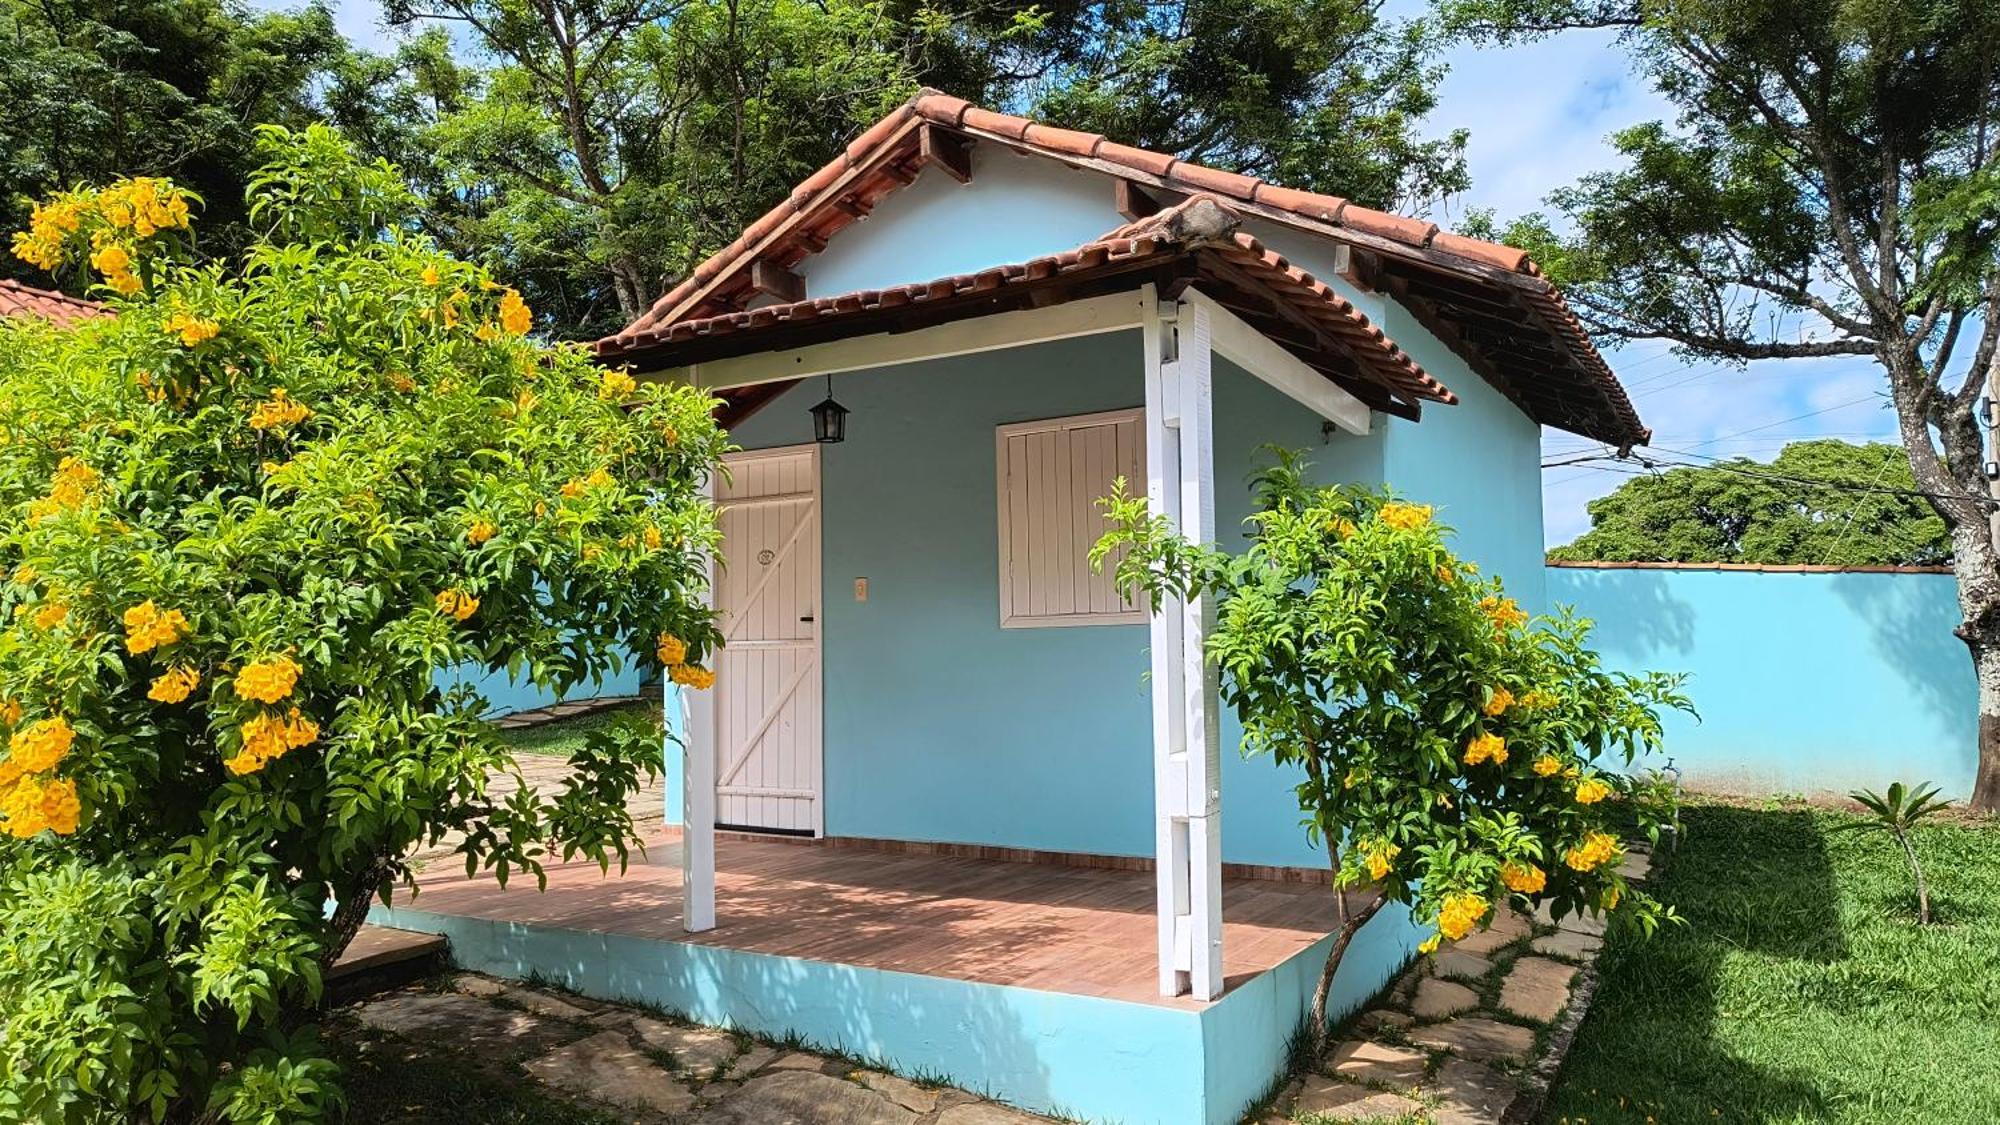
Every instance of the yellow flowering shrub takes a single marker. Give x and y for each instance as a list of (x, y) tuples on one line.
[(232, 694), (1437, 728)]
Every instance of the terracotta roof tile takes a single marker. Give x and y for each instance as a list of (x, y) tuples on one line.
[(1200, 225), (1588, 400), (17, 299)]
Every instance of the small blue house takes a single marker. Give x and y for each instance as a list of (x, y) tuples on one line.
[(937, 355)]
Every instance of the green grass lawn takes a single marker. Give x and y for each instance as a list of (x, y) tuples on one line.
[(566, 736), (1801, 990)]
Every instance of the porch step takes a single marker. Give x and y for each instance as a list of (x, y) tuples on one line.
[(382, 957)]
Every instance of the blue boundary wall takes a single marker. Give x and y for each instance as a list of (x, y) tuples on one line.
[(1809, 679), (1089, 1058), (505, 695)]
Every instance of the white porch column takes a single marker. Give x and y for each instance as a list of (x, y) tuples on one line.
[(698, 798), (1180, 484)]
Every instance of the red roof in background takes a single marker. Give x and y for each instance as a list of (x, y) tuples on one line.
[(1202, 231), (17, 299), (1487, 302)]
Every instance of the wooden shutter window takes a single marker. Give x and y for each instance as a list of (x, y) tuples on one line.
[(1052, 473)]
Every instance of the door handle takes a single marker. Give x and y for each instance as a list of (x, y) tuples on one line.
[(807, 617)]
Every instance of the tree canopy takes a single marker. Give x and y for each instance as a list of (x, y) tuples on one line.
[(1822, 502)]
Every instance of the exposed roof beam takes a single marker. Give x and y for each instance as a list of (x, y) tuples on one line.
[(773, 280), (1131, 200), (950, 152), (1236, 341)]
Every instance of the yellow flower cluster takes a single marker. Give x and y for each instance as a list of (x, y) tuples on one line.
[(1504, 614), (39, 746), (1459, 914), (692, 675), (1405, 517), (457, 604), (653, 537), (1486, 748), (1548, 765), (72, 483), (148, 627), (1591, 790), (268, 737), (52, 614), (1524, 878), (115, 263), (616, 386), (514, 314), (268, 680), (481, 531), (51, 224), (1446, 575), (31, 805), (10, 711), (598, 478), (190, 328), (672, 652), (1499, 702), (175, 684), (278, 411), (1597, 849), (145, 205), (1381, 857)]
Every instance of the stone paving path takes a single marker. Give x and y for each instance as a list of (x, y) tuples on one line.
[(657, 1071), (1464, 1036)]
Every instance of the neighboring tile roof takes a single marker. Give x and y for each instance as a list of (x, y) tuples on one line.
[(1488, 302), (1197, 239), (17, 299)]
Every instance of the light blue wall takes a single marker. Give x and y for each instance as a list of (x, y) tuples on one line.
[(505, 695), (942, 726), (1806, 683), (1089, 1058), (1015, 208)]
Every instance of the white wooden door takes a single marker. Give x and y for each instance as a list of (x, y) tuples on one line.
[(768, 705)]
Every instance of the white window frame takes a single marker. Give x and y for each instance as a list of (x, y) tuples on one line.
[(1009, 619)]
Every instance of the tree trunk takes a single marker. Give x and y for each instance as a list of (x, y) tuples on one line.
[(351, 911), (1986, 784), (1324, 988)]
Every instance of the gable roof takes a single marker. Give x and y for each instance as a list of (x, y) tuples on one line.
[(1198, 239), (1487, 302), (17, 299)]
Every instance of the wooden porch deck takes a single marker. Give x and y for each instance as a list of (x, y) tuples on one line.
[(1082, 931)]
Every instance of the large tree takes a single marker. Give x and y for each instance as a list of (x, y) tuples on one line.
[(1826, 503), (97, 89), (597, 149), (1828, 188)]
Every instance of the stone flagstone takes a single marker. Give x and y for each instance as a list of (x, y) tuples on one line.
[(1563, 943), (1478, 1038), (466, 1022), (1537, 988), (902, 1091), (608, 1068), (1460, 964), (801, 1097), (986, 1113), (1469, 1094), (1375, 1063), (1344, 1101), (1437, 999), (696, 1050)]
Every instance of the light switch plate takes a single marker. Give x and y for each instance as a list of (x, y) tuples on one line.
[(861, 589)]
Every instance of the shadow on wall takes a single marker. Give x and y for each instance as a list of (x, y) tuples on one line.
[(1909, 619), (1639, 618)]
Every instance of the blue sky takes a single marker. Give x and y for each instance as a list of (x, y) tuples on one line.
[(1540, 116)]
